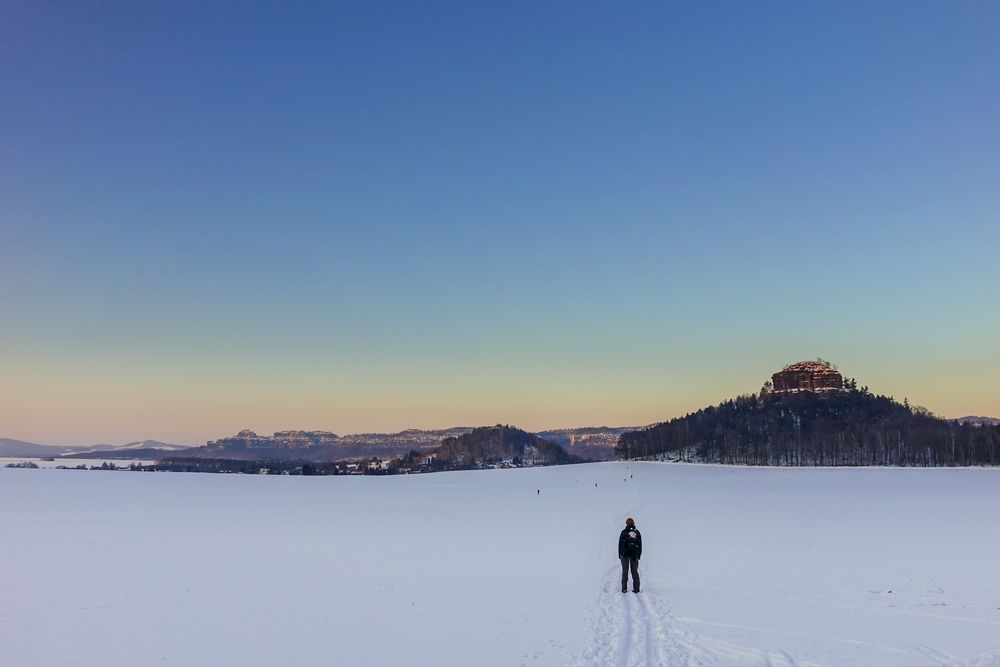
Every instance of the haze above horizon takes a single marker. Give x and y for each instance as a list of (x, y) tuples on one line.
[(370, 218)]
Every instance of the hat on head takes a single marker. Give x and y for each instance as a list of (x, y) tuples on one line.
[(630, 522)]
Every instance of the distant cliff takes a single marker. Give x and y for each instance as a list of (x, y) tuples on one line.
[(320, 445), (596, 443)]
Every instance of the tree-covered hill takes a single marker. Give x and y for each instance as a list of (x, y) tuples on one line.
[(494, 443), (853, 427)]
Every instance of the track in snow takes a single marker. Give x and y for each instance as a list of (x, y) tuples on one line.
[(632, 630)]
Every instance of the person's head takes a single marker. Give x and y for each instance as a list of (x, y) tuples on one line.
[(630, 522)]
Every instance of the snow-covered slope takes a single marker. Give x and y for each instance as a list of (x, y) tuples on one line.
[(881, 567), (139, 444), (10, 447)]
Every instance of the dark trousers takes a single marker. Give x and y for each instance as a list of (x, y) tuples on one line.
[(630, 562)]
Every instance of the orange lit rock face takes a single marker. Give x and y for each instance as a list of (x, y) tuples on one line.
[(807, 376)]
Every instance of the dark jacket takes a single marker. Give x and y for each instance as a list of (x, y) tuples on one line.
[(621, 541)]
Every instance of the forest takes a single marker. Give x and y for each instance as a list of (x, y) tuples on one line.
[(853, 427)]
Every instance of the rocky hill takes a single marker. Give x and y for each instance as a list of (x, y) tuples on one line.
[(320, 445), (851, 427), (403, 441)]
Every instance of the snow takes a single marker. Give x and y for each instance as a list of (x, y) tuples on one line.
[(741, 567)]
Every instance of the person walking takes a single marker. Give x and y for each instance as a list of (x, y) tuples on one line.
[(629, 553)]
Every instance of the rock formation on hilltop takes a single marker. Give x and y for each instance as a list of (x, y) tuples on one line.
[(814, 376)]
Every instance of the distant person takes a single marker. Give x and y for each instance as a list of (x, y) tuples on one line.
[(629, 552)]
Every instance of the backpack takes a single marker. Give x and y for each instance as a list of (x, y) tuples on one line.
[(632, 543)]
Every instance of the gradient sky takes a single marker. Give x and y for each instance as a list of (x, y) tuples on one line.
[(371, 216)]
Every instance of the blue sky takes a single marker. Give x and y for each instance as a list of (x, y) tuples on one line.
[(356, 217)]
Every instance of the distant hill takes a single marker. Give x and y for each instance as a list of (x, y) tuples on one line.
[(497, 443), (128, 454), (153, 444), (14, 448), (128, 449), (596, 443), (10, 447), (319, 446), (979, 421), (847, 427)]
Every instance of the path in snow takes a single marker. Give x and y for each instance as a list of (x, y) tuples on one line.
[(632, 630), (628, 630)]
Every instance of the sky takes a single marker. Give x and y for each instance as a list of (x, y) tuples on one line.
[(375, 216)]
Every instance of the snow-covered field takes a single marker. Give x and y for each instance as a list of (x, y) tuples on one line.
[(882, 567)]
